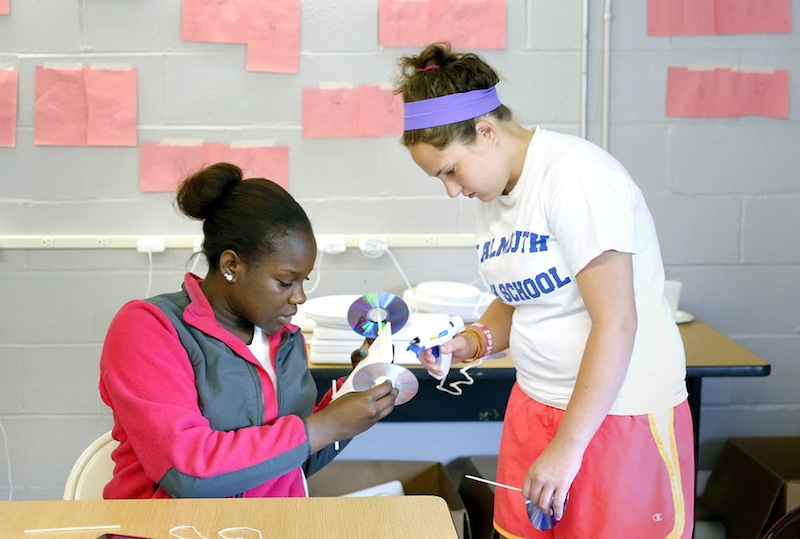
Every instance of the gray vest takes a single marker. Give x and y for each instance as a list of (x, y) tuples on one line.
[(229, 389), (230, 396)]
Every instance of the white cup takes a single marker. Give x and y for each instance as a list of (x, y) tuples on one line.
[(672, 291)]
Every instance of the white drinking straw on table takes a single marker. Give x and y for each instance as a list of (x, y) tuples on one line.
[(333, 396), (74, 529)]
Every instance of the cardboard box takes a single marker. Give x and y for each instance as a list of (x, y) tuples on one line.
[(478, 497), (418, 477), (754, 482)]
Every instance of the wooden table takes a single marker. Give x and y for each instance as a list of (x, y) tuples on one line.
[(399, 517), (710, 354)]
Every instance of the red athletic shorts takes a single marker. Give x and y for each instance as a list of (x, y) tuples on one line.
[(636, 480)]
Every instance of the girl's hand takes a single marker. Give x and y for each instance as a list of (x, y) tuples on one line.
[(350, 414), (550, 477), (360, 353), (460, 346)]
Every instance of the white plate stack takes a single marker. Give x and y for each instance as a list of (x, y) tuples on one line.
[(448, 297), (333, 340), (331, 337)]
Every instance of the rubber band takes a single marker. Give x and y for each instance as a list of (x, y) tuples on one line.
[(469, 330), (222, 533), (483, 337), (173, 530)]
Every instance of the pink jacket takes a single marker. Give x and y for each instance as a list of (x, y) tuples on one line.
[(196, 415)]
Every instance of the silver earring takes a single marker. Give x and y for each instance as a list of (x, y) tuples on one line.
[(228, 277)]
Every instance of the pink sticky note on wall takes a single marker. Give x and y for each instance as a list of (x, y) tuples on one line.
[(724, 93), (9, 79), (690, 93), (680, 17), (465, 23), (709, 17), (111, 97), (380, 112), (4, 7), (754, 16), (217, 21), (403, 22), (469, 24), (270, 162), (764, 94), (365, 111), (163, 166), (273, 36), (80, 106), (330, 112), (60, 110)]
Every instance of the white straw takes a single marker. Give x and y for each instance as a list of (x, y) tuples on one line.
[(333, 395), (78, 528), (481, 479)]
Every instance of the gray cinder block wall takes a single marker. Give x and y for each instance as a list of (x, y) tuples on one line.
[(724, 194)]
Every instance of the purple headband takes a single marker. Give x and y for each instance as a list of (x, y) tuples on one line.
[(449, 109)]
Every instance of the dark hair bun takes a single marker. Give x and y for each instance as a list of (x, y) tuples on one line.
[(203, 192)]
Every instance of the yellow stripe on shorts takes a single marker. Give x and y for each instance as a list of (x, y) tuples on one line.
[(662, 426)]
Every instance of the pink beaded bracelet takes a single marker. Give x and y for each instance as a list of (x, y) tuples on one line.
[(484, 340), (487, 338)]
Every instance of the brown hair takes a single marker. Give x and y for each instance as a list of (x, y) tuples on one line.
[(454, 72), (247, 216)]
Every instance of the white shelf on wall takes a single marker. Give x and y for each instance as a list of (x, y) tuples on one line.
[(56, 241), (98, 241)]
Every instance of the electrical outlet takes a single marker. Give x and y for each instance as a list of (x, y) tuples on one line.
[(373, 246), (332, 245), (151, 244)]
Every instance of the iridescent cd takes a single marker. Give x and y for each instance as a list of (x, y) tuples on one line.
[(368, 313), (539, 519), (375, 374)]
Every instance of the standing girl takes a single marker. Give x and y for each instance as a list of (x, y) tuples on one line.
[(597, 429)]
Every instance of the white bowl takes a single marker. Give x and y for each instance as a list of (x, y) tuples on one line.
[(329, 311), (447, 292), (468, 313)]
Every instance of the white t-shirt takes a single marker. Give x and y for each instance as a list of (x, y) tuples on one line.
[(572, 202), (260, 348)]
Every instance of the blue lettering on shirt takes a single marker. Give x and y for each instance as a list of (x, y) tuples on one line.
[(531, 288), (519, 241)]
